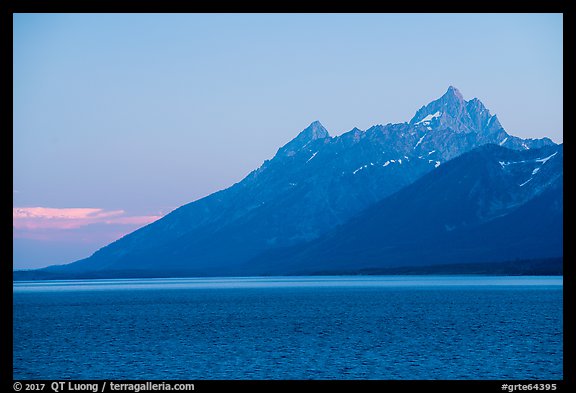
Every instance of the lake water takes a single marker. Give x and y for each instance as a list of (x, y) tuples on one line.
[(372, 327)]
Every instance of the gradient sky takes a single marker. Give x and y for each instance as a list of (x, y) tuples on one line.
[(120, 118)]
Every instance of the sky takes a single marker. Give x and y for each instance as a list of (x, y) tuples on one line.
[(121, 118)]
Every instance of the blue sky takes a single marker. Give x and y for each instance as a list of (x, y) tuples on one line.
[(120, 118)]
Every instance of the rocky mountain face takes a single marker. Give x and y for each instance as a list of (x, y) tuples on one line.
[(313, 184), (492, 204)]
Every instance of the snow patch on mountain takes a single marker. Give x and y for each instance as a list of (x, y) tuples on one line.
[(313, 155), (526, 182), (419, 141), (429, 118), (543, 160)]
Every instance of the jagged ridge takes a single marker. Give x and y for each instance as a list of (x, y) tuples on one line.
[(314, 183)]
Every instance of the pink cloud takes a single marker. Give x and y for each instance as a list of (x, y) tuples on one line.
[(37, 218)]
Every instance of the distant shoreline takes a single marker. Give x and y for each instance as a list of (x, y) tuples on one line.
[(533, 267)]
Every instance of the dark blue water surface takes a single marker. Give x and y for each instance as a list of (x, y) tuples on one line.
[(290, 328)]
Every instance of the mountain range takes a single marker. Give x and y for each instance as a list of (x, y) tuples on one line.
[(491, 204), (450, 186)]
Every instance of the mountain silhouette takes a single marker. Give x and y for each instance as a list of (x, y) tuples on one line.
[(314, 184)]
